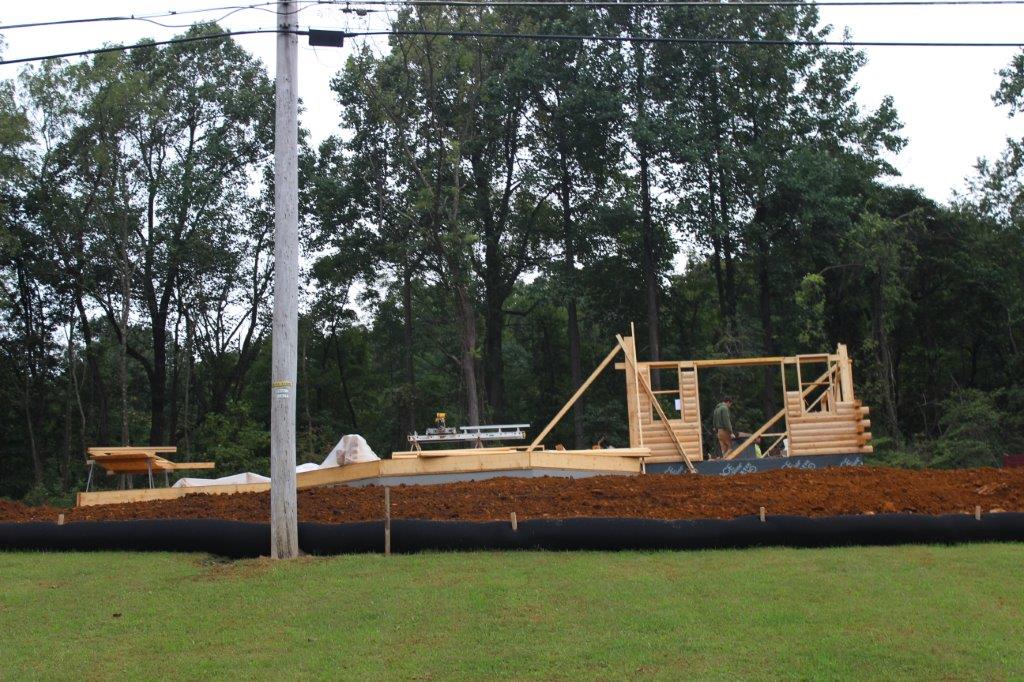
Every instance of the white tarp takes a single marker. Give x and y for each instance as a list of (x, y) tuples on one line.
[(247, 477), (350, 449)]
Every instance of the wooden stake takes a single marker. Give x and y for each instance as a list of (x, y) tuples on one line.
[(977, 512), (387, 521), (762, 514), (60, 519), (515, 524)]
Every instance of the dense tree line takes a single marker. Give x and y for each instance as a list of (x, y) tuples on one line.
[(488, 216)]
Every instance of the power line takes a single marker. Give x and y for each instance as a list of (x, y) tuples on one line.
[(680, 40), (739, 4), (357, 6), (151, 18), (156, 43), (230, 9), (400, 33)]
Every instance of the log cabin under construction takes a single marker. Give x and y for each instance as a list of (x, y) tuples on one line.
[(822, 423)]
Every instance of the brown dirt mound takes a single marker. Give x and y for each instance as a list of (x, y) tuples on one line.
[(823, 492), (19, 511)]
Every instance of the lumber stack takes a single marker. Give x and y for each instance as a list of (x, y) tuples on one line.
[(844, 427)]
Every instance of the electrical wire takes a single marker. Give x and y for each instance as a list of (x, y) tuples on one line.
[(344, 6), (738, 4), (359, 6), (402, 33), (156, 43), (681, 40)]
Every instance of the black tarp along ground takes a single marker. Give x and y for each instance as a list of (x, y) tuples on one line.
[(236, 539)]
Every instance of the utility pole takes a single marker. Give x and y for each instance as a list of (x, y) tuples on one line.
[(284, 528)]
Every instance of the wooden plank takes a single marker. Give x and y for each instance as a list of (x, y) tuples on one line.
[(633, 409), (863, 450), (131, 448), (815, 443), (836, 416), (830, 427), (639, 412), (816, 424), (785, 397), (149, 494), (461, 451), (575, 396), (845, 372), (584, 460), (605, 453), (657, 406), (715, 362)]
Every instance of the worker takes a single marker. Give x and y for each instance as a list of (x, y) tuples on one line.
[(722, 422)]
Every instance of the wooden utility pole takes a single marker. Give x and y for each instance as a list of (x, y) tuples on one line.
[(284, 529)]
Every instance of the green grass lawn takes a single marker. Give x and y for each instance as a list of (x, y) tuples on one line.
[(869, 613)]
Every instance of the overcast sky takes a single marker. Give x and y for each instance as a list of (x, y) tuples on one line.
[(943, 95)]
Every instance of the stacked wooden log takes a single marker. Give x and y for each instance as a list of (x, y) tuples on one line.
[(842, 428), (654, 434)]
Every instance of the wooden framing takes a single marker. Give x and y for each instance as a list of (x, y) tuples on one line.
[(821, 416)]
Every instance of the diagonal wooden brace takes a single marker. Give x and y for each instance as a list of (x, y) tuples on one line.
[(654, 401)]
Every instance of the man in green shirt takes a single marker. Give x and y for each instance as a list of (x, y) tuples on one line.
[(721, 420)]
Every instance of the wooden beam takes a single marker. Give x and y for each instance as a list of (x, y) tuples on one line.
[(636, 436), (572, 401), (845, 372), (714, 362), (175, 466), (657, 406)]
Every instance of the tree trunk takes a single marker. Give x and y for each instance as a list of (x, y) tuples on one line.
[(769, 397), (37, 462), (467, 356), (728, 253), (126, 290), (304, 335), (883, 356), (158, 382), (649, 258), (408, 408), (76, 387), (186, 408), (98, 389), (172, 412), (724, 207), (339, 358), (494, 365), (575, 363), (716, 254)]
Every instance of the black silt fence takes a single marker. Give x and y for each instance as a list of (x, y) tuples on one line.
[(239, 540)]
